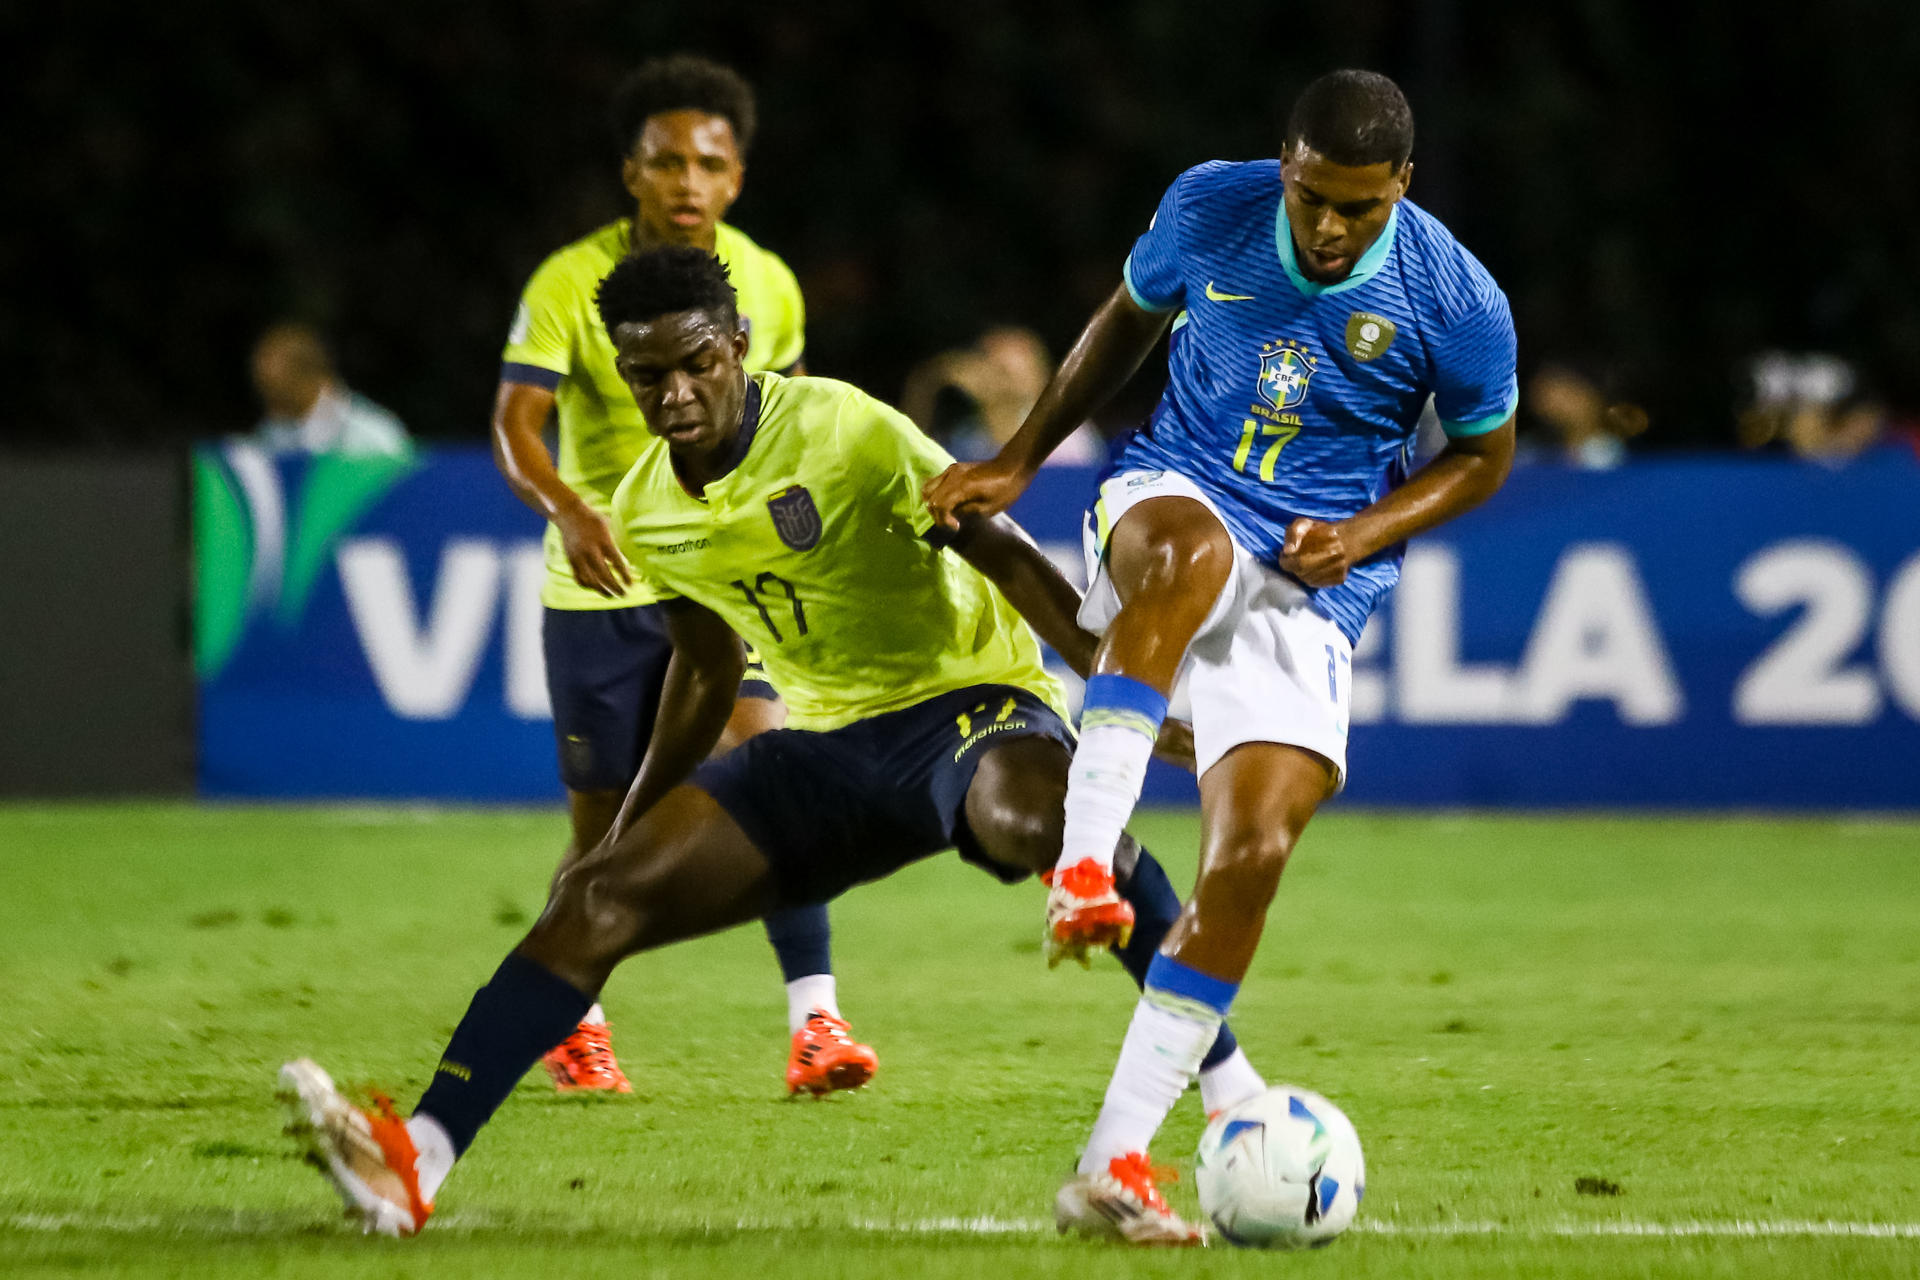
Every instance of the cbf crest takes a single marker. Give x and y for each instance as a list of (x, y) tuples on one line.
[(795, 518), (1285, 370)]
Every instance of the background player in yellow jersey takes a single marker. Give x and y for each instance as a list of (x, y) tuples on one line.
[(788, 510), (683, 125)]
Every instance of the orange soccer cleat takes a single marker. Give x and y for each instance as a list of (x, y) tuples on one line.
[(584, 1062), (1123, 1204), (1084, 912), (826, 1057), (366, 1153)]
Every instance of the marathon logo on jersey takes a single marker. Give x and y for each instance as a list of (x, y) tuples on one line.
[(795, 518), (1285, 370), (1369, 335)]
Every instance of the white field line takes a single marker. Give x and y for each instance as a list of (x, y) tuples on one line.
[(241, 1224), (1737, 1228)]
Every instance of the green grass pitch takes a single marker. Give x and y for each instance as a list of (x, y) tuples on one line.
[(1712, 1026)]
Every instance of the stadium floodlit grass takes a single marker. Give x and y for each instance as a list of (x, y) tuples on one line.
[(1573, 1046)]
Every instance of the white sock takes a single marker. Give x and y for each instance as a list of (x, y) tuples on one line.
[(1229, 1081), (1158, 1060), (804, 995), (1103, 784), (435, 1159), (596, 1016)]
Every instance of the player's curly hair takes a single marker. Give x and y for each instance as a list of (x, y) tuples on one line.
[(1353, 118), (682, 82), (661, 282)]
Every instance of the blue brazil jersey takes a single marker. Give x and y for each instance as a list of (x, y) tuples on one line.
[(1287, 398)]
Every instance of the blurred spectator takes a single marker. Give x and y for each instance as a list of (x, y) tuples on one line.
[(309, 410), (1903, 432), (973, 399), (1590, 428), (1810, 403)]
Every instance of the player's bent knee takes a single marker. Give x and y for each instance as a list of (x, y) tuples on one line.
[(1020, 838), (1180, 572), (1175, 554), (1016, 806), (1209, 558), (586, 927)]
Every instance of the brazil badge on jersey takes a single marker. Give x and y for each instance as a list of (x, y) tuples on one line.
[(813, 549), (1285, 370), (558, 342)]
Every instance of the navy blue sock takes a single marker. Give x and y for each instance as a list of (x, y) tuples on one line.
[(1155, 907), (523, 1012), (802, 938)]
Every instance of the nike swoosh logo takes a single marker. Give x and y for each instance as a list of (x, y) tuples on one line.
[(1214, 295)]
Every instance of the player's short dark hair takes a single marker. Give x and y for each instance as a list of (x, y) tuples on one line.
[(682, 82), (662, 282), (1354, 118)]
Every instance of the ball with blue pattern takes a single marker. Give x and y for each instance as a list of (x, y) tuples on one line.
[(1282, 1170)]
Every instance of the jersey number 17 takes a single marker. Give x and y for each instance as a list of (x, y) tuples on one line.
[(760, 588), (1281, 433)]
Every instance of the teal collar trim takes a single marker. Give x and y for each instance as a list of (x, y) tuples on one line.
[(1364, 270)]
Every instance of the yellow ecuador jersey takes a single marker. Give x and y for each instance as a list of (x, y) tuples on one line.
[(812, 549), (558, 342)]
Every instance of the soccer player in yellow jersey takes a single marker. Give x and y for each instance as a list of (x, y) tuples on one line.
[(787, 510), (683, 125)]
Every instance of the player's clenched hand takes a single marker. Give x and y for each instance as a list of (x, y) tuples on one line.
[(1316, 553), (1175, 744), (591, 552), (984, 488)]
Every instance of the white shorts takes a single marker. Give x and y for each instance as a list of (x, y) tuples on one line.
[(1264, 667)]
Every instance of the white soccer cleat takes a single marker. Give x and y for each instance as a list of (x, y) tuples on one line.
[(368, 1156), (1123, 1204)]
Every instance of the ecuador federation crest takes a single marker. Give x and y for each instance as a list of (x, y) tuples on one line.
[(1285, 370), (795, 518)]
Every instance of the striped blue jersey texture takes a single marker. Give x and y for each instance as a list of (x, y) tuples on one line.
[(1287, 398)]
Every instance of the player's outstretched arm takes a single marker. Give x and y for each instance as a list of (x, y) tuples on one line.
[(703, 679), (1040, 593), (1460, 477), (520, 412), (1110, 349)]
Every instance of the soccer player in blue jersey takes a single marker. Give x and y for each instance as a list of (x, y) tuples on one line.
[(1243, 539)]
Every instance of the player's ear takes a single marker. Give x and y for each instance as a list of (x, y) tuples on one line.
[(740, 340), (1406, 179), (630, 174)]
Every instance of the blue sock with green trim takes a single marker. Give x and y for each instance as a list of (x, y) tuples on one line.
[(1177, 1020), (1145, 887), (1119, 720)]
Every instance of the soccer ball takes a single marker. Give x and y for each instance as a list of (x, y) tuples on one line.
[(1282, 1170)]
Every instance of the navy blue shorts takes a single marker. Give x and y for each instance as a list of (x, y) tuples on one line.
[(835, 809), (605, 668)]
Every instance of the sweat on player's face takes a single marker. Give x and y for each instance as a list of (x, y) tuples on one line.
[(685, 374)]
